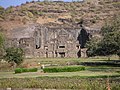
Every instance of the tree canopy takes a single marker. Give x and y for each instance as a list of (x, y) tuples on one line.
[(14, 55), (1, 40), (109, 43), (1, 44)]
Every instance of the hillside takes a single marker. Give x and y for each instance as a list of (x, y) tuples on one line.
[(66, 14)]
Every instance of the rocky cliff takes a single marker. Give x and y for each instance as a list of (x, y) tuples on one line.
[(59, 14)]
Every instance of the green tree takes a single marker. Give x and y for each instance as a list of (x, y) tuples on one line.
[(1, 40), (109, 43), (1, 9), (2, 12), (92, 46), (9, 10), (1, 44), (14, 55)]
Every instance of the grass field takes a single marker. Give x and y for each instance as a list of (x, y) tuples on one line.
[(60, 74), (94, 67), (53, 83), (97, 67)]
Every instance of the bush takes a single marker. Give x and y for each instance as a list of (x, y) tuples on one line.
[(29, 14), (64, 69), (22, 70), (33, 70), (25, 70), (14, 55), (18, 70)]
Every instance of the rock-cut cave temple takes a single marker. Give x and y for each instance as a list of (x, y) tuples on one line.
[(40, 41)]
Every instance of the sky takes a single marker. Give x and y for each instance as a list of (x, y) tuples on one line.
[(7, 3)]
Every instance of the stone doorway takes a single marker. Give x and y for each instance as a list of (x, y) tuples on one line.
[(62, 54)]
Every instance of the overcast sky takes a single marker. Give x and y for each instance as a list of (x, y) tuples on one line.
[(7, 3)]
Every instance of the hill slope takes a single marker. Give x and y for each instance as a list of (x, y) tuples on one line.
[(93, 12)]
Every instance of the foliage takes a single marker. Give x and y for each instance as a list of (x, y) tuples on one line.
[(22, 70), (112, 25), (18, 70), (1, 10), (64, 69), (109, 43), (1, 40), (14, 55), (9, 10), (29, 14), (33, 70), (75, 83), (116, 4), (1, 44), (92, 46), (36, 12)]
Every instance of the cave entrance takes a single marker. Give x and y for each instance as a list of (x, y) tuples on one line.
[(62, 54), (83, 37)]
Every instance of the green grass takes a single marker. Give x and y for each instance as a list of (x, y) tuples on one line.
[(94, 76), (60, 62), (61, 83), (63, 61), (60, 74)]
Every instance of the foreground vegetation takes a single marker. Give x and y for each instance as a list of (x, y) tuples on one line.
[(64, 69), (62, 83), (22, 70), (109, 42), (94, 77)]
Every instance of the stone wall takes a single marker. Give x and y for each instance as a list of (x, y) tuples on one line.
[(41, 41)]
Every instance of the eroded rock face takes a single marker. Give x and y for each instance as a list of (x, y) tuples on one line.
[(40, 41)]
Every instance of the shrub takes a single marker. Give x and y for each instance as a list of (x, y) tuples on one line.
[(33, 70), (18, 70), (29, 14), (1, 43), (14, 55), (22, 70), (25, 70), (9, 10), (64, 69)]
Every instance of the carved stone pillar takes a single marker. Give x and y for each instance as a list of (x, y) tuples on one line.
[(83, 53)]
